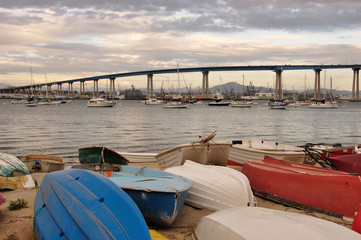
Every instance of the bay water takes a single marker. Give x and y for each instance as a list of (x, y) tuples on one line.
[(131, 126)]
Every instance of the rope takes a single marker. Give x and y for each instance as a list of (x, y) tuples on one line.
[(36, 213)]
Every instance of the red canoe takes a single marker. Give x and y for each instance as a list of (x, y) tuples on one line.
[(350, 163), (298, 185)]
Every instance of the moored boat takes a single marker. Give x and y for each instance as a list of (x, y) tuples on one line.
[(100, 102), (241, 104), (159, 195), (215, 187), (176, 104), (78, 204), (255, 149), (13, 173), (43, 163), (219, 103), (327, 191), (100, 154), (258, 223)]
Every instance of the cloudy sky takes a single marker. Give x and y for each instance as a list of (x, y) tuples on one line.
[(69, 39)]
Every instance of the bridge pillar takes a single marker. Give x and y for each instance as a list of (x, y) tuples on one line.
[(150, 93), (317, 87), (112, 87), (205, 85), (355, 85), (278, 85), (95, 87)]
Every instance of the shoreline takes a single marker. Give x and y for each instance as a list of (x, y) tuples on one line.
[(18, 224)]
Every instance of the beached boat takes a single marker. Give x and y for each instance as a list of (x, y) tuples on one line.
[(13, 173), (203, 152), (255, 149), (327, 191), (100, 102), (258, 223), (100, 154), (215, 153), (43, 163), (350, 163), (1, 199), (159, 195), (176, 104), (79, 204), (215, 187)]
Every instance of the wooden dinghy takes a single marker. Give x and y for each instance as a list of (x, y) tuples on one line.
[(215, 187), (13, 173), (159, 195), (255, 223), (327, 191), (43, 163), (255, 150), (79, 204)]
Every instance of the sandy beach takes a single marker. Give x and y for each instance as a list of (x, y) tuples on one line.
[(18, 224)]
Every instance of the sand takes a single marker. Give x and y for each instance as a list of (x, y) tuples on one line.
[(18, 224)]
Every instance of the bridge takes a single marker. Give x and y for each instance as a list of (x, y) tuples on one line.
[(278, 69)]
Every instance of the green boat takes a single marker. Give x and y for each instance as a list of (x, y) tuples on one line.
[(98, 154)]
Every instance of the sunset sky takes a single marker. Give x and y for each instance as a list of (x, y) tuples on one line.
[(72, 39)]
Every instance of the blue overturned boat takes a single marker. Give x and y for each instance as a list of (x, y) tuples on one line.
[(159, 195), (79, 204)]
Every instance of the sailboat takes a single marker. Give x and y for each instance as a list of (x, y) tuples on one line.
[(176, 104), (323, 104)]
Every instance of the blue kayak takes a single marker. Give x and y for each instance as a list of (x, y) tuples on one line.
[(80, 204), (159, 195)]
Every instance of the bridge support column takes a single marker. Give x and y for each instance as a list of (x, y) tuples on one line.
[(278, 85), (70, 90), (355, 85), (150, 93), (205, 85), (112, 87), (95, 88), (317, 87)]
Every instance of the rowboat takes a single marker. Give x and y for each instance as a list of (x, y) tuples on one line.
[(215, 187), (100, 154), (258, 223), (43, 163), (13, 173), (1, 199), (328, 191), (79, 204), (159, 195), (350, 163), (203, 152), (255, 150)]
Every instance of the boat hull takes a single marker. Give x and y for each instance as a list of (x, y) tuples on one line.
[(262, 223), (43, 163), (98, 154), (79, 204), (323, 190), (159, 195), (255, 150), (350, 163), (203, 153), (215, 187)]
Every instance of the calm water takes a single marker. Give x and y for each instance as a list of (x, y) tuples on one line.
[(134, 127)]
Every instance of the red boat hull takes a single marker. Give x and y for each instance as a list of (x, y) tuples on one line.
[(350, 163), (329, 191)]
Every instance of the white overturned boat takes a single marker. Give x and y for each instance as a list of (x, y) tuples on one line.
[(13, 173), (215, 187), (262, 223), (255, 150)]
